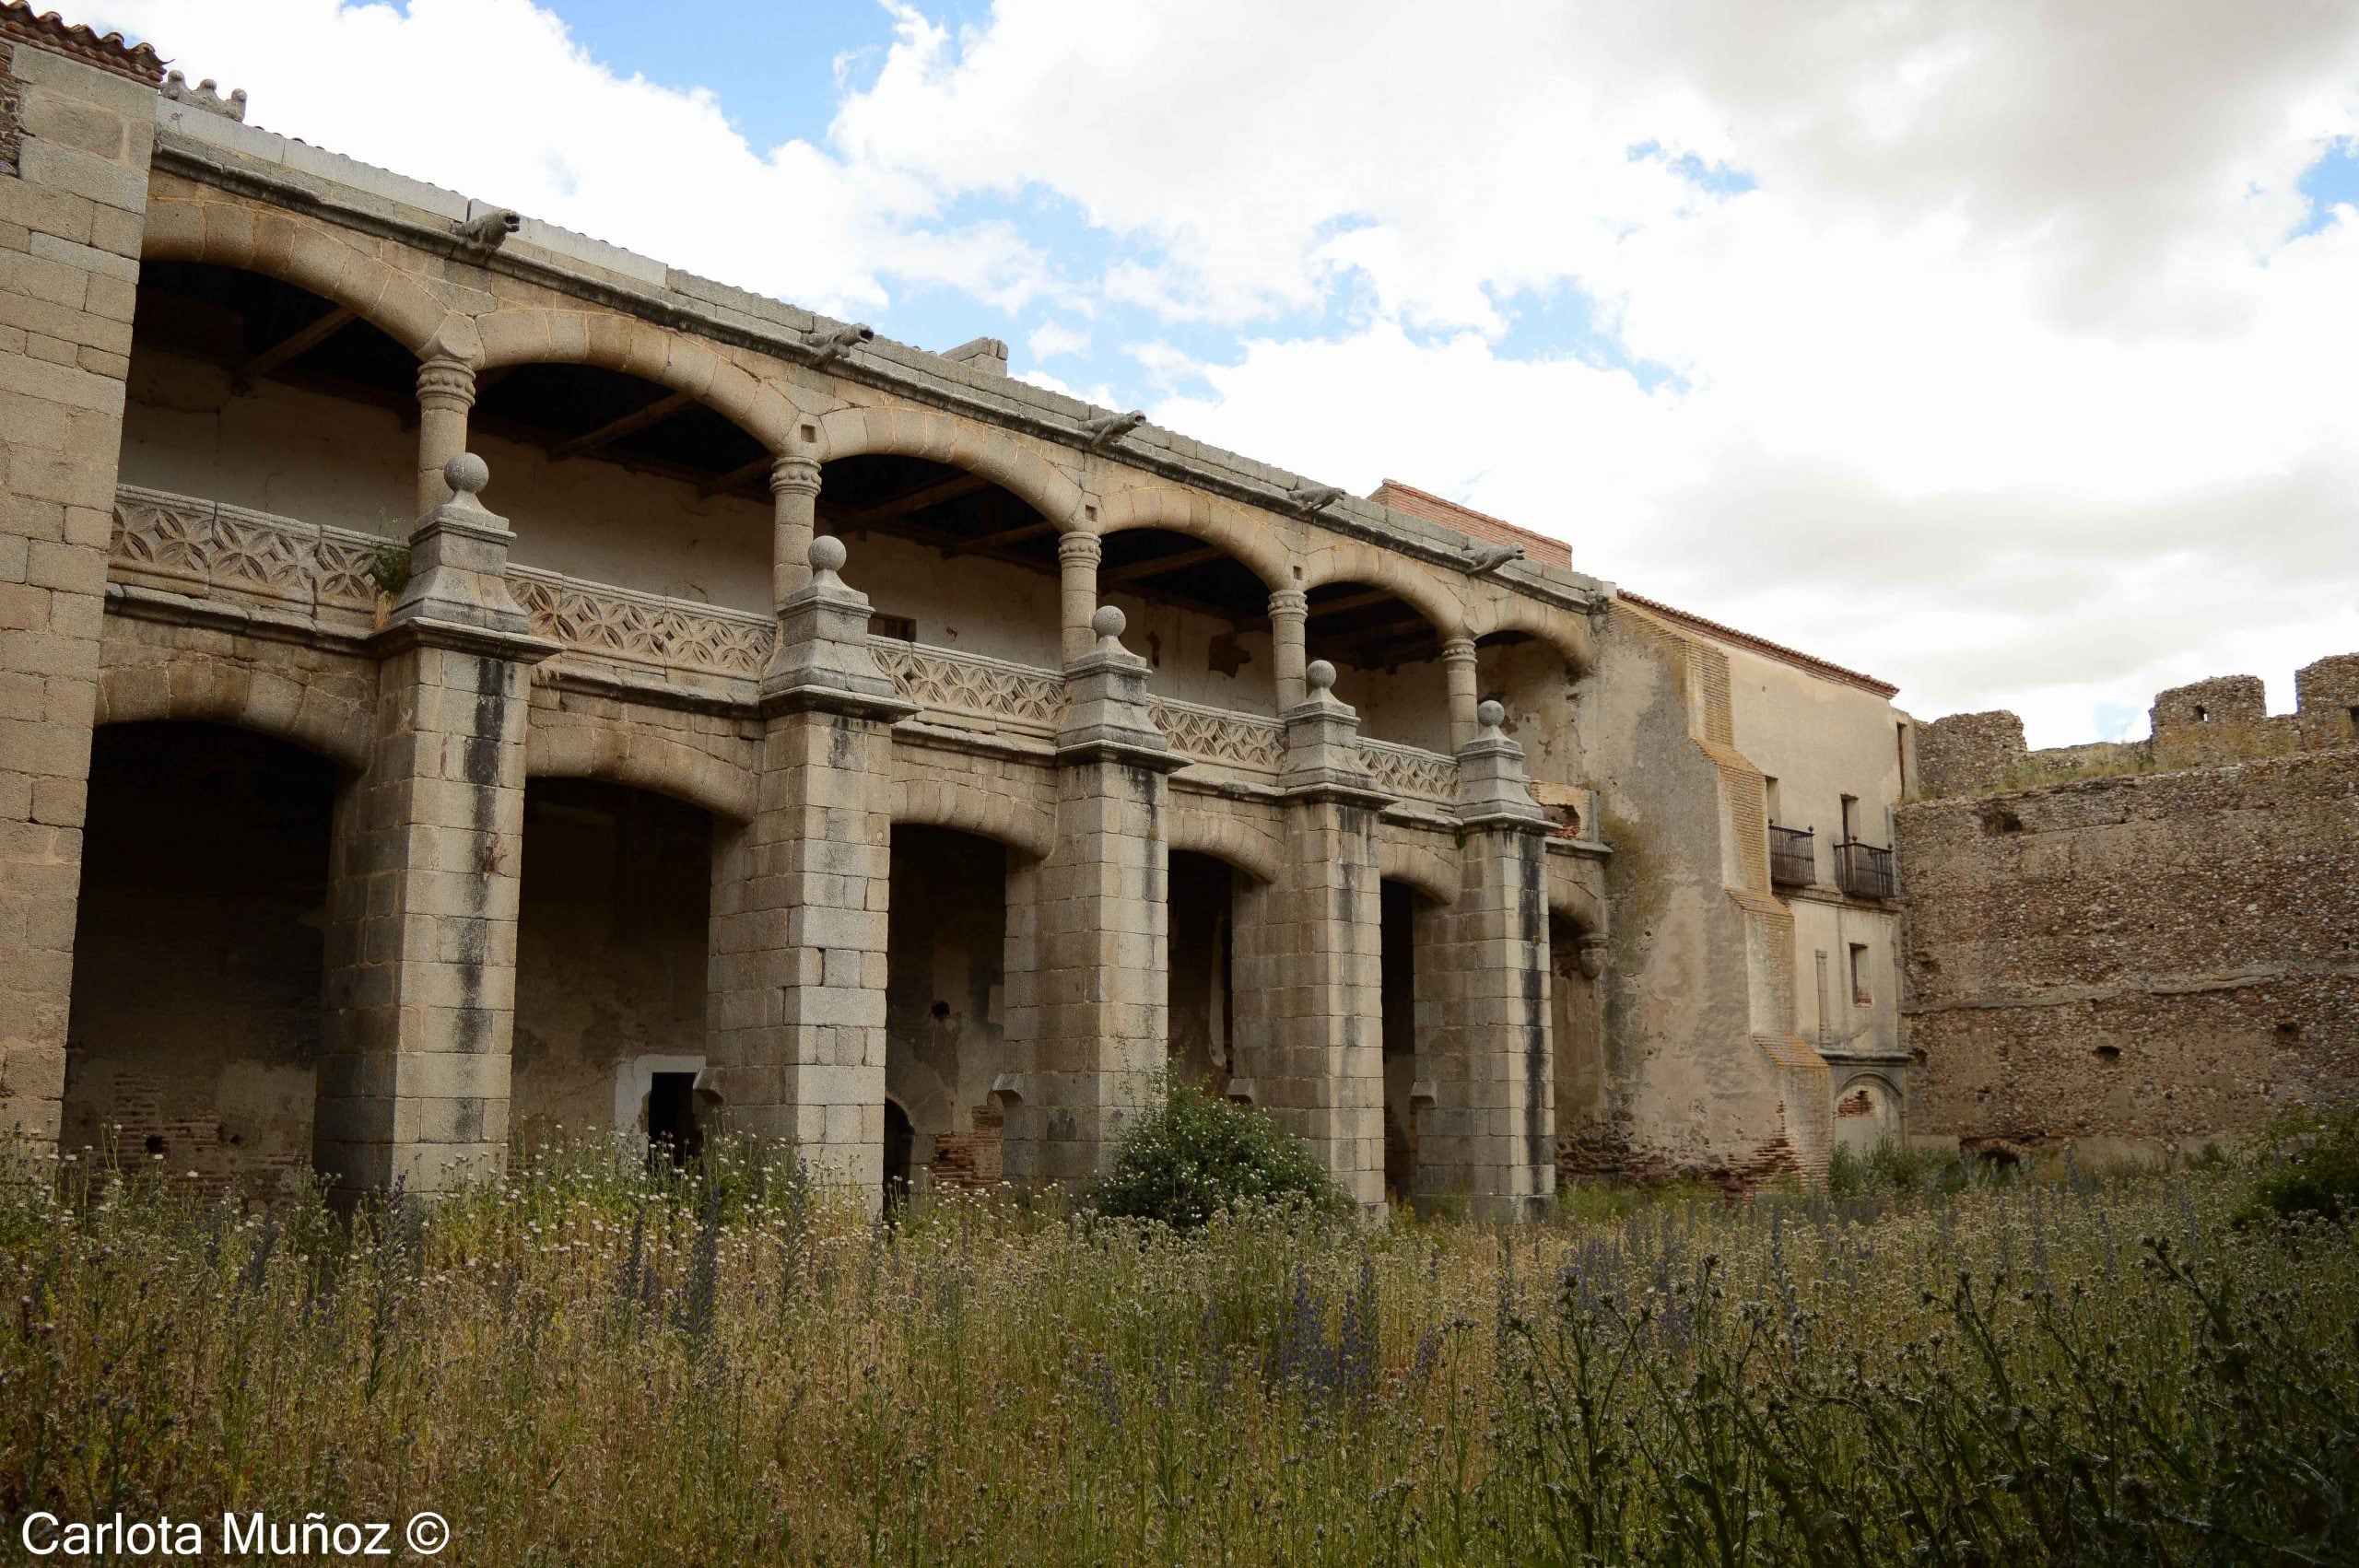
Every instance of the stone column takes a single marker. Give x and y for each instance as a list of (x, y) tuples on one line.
[(796, 980), (1100, 988), (1309, 957), (1490, 1133), (421, 961), (795, 512), (1077, 558), (446, 391), (74, 196), (1458, 669), (1289, 619)]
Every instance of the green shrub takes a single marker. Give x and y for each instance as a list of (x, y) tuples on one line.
[(2319, 1177), (1190, 1155)]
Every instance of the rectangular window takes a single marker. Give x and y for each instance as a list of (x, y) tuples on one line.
[(900, 628), (1850, 819), (1777, 818), (1860, 994)]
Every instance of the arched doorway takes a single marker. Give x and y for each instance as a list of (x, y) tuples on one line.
[(1867, 1115), (1200, 928), (946, 1006), (613, 912), (901, 1141), (199, 950), (1584, 1141), (1407, 1091)]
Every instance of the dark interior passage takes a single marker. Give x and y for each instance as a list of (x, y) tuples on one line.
[(198, 952), (1203, 949), (946, 941), (610, 960), (1401, 908)]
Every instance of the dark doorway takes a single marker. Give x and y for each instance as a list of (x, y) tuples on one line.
[(1203, 953), (671, 1130), (899, 1137), (198, 952), (1401, 910)]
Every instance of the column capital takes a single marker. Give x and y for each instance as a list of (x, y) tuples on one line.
[(1289, 601), (1074, 546), (444, 382), (794, 476), (1457, 651)]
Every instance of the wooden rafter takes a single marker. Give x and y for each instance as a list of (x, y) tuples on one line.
[(909, 501), (294, 344), (1162, 564), (991, 543), (630, 423)]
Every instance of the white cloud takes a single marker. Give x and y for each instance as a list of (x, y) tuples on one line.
[(2001, 381), (1052, 340)]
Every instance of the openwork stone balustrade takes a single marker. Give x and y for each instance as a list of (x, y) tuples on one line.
[(318, 577)]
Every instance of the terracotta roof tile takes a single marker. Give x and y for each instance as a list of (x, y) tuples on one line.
[(109, 53)]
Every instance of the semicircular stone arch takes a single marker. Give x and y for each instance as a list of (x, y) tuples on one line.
[(1563, 630), (618, 752), (667, 357), (309, 255), (1177, 511), (1202, 827), (1416, 586), (287, 706), (946, 802), (1401, 856), (997, 455)]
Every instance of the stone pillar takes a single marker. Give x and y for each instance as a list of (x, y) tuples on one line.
[(1289, 619), (1458, 669), (1099, 987), (73, 195), (796, 982), (1490, 1134), (1309, 956), (1077, 558), (446, 391), (795, 512), (421, 959)]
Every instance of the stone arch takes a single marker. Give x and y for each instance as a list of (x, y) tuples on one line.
[(1574, 902), (618, 754), (679, 360), (264, 701), (306, 255), (1404, 856), (1202, 828), (1868, 1109), (1189, 513), (942, 802), (960, 443), (1566, 631), (1414, 585)]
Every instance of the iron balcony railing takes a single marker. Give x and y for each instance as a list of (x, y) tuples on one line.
[(1794, 856), (1863, 871)]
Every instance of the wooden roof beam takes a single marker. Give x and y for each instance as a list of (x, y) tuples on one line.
[(294, 344), (630, 423)]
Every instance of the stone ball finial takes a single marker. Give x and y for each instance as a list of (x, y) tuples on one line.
[(466, 474), (1110, 621), (1491, 714), (1319, 675), (827, 553)]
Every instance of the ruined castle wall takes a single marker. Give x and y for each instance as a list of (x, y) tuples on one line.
[(2168, 956)]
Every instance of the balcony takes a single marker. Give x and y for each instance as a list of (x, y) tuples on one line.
[(1864, 870), (1794, 856)]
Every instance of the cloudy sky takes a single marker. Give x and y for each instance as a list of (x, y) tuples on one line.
[(2009, 351)]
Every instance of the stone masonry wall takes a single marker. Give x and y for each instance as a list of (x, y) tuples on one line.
[(2168, 956), (72, 202)]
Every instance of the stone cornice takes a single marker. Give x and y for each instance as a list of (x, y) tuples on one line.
[(178, 153)]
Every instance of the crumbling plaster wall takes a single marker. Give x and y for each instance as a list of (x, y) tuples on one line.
[(2165, 957), (1705, 1075)]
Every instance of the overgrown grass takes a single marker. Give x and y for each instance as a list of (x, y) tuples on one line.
[(587, 1363)]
